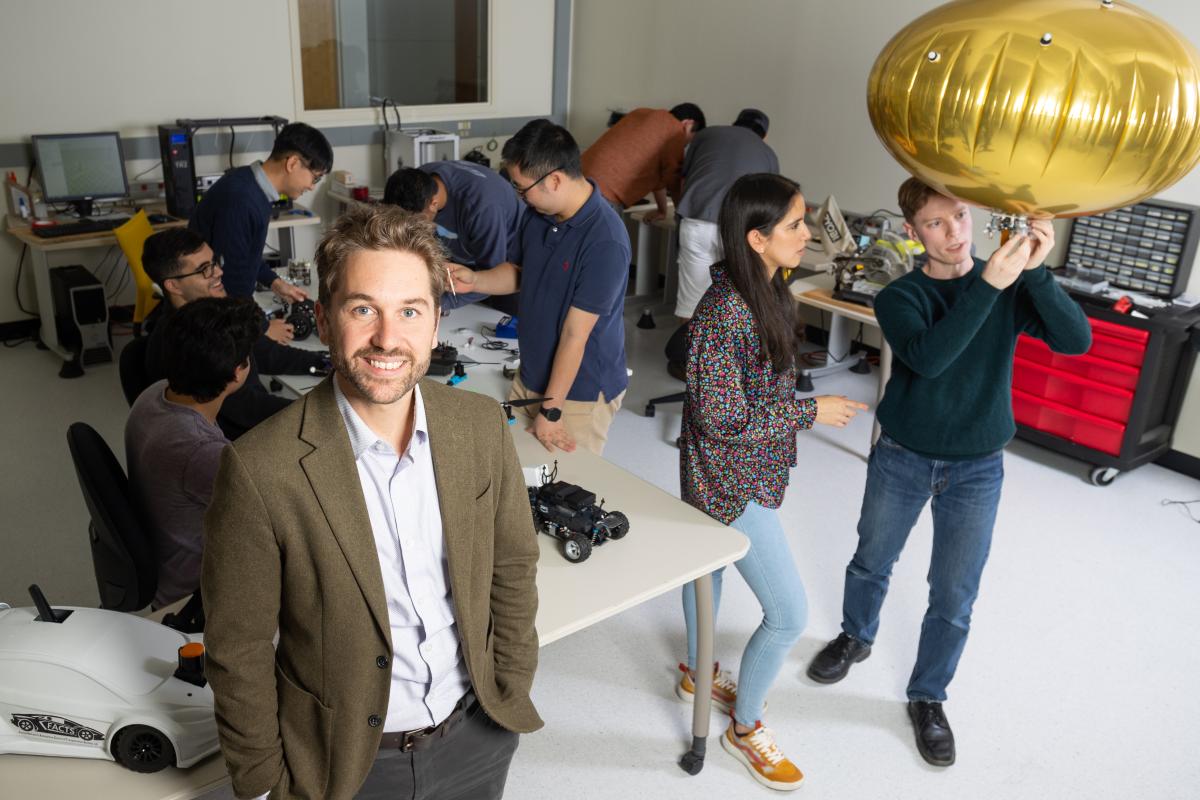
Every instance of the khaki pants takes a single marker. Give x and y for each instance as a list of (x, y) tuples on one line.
[(587, 422)]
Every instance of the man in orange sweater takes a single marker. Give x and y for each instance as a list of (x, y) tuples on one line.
[(642, 154)]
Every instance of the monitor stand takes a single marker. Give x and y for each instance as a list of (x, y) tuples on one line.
[(83, 207)]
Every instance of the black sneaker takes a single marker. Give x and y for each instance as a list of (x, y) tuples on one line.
[(832, 663), (935, 740)]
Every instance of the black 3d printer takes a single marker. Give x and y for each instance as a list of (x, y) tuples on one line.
[(175, 144)]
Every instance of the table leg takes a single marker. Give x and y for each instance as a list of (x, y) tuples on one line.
[(45, 301), (885, 373), (643, 281), (693, 760)]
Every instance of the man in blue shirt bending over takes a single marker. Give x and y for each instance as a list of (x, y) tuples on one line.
[(233, 215), (946, 416), (571, 264), (477, 213)]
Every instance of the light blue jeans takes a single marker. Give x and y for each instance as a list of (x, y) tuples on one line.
[(770, 572)]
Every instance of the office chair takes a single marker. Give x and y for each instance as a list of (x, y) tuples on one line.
[(132, 369), (676, 351), (122, 555), (132, 237)]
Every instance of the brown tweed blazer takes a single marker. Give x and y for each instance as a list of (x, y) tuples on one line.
[(289, 548)]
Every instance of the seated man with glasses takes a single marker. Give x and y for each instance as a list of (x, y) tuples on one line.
[(184, 268), (571, 264), (172, 442), (234, 214)]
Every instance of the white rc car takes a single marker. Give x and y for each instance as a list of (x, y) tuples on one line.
[(90, 683)]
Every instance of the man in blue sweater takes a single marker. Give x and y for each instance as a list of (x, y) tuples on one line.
[(233, 215), (946, 417)]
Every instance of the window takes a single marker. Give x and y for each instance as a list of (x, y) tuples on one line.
[(413, 52)]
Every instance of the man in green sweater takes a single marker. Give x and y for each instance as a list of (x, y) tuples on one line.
[(946, 417)]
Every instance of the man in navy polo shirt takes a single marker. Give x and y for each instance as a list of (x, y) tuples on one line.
[(477, 213), (571, 264), (233, 215)]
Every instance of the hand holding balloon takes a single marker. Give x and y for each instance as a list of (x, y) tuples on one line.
[(1008, 262), (1041, 236)]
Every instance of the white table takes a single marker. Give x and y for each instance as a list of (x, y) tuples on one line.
[(669, 544), (816, 292)]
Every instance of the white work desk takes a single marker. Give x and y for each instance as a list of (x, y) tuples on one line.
[(669, 544), (817, 292), (40, 250)]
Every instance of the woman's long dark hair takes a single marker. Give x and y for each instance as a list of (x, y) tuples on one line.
[(760, 202)]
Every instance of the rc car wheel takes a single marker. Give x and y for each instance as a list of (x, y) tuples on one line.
[(25, 725), (576, 548), (618, 525), (143, 749)]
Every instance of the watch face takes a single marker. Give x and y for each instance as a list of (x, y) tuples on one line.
[(551, 414)]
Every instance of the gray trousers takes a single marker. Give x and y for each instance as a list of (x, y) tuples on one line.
[(470, 763)]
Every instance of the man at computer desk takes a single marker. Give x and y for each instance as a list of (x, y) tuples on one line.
[(182, 265), (234, 214)]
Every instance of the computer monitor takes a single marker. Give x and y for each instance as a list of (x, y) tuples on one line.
[(78, 168)]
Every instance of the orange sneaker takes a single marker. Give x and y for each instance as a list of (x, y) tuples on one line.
[(724, 688), (759, 753)]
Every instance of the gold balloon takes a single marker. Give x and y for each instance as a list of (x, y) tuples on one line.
[(1039, 107)]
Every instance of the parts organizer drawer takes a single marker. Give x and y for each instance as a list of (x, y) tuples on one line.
[(1118, 376), (1070, 390), (1074, 426)]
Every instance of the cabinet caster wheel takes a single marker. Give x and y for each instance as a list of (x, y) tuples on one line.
[(803, 383), (691, 763), (1103, 476), (649, 412)]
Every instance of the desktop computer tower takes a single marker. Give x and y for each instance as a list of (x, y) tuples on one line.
[(80, 313), (179, 169)]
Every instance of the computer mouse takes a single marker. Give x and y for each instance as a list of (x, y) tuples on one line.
[(159, 219)]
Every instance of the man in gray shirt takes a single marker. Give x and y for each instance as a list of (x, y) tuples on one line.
[(717, 157), (172, 441)]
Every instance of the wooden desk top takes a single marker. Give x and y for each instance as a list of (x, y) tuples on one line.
[(824, 300)]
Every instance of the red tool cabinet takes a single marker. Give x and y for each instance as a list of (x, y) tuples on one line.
[(1116, 406)]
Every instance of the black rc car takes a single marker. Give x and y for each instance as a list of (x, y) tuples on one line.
[(570, 514)]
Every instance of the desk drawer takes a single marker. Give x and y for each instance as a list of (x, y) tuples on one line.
[(1070, 390), (1074, 426), (1117, 376)]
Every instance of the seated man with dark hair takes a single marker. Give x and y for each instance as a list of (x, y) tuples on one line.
[(477, 213), (642, 154), (234, 214), (182, 265), (172, 442)]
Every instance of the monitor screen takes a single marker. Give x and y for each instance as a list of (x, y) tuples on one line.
[(79, 166)]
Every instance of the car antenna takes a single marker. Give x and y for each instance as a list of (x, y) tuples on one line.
[(45, 612)]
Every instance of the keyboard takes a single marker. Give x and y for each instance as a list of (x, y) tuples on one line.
[(77, 228)]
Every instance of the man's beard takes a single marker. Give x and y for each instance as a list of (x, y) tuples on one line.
[(373, 389)]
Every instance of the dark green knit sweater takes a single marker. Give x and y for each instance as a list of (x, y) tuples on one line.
[(950, 394)]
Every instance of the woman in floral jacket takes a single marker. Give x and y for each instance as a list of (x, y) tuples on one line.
[(740, 420)]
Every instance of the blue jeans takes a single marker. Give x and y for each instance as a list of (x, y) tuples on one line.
[(965, 495), (770, 572)]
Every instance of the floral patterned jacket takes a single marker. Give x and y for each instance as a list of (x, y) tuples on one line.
[(740, 417)]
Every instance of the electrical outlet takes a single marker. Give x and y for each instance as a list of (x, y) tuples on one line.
[(146, 190), (464, 127)]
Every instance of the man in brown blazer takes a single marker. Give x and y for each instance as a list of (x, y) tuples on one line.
[(381, 527)]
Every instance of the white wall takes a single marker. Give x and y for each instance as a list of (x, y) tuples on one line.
[(805, 64), (130, 65)]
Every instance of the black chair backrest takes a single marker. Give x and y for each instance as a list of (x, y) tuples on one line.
[(123, 557), (132, 368)]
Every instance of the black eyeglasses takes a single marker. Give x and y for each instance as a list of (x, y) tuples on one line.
[(522, 192), (206, 270), (308, 166)]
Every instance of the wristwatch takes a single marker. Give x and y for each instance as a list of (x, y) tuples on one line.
[(552, 414)]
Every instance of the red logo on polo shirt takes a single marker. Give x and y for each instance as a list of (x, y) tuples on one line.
[(566, 265)]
